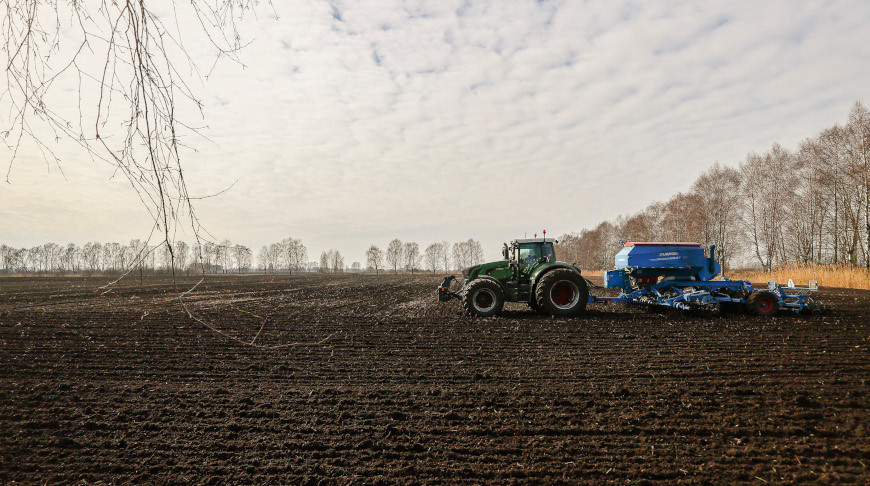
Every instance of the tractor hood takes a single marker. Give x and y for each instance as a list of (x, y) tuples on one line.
[(484, 269)]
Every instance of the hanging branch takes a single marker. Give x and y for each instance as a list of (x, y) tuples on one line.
[(125, 62)]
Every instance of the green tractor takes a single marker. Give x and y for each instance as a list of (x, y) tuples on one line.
[(529, 273)]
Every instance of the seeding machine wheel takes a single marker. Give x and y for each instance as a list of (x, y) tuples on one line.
[(762, 303)]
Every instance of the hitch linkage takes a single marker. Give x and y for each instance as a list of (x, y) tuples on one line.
[(444, 293)]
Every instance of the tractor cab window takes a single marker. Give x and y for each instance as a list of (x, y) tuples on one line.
[(547, 251), (529, 253)]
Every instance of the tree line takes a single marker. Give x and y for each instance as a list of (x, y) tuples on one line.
[(809, 204), (116, 258), (437, 256), (286, 256)]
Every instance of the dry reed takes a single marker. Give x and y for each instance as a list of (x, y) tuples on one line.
[(827, 275)]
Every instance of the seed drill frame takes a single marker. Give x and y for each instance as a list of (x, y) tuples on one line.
[(679, 275)]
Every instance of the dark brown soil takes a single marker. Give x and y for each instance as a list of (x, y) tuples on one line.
[(367, 379)]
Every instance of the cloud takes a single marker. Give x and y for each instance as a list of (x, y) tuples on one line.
[(360, 121)]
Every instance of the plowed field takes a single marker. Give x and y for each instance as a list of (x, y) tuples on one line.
[(367, 379)]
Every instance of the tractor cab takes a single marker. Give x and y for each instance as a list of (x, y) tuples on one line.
[(525, 254)]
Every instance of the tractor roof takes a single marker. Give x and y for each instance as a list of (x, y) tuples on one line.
[(662, 243), (535, 240)]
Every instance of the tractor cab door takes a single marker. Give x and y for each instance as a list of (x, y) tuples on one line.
[(529, 254)]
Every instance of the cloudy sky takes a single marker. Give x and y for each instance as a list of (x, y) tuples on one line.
[(357, 122)]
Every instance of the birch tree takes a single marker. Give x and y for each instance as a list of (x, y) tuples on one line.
[(374, 258), (432, 256), (394, 254), (411, 252), (718, 196)]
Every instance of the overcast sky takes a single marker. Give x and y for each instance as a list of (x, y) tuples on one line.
[(358, 122)]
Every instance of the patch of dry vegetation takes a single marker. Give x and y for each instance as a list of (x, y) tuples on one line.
[(828, 275)]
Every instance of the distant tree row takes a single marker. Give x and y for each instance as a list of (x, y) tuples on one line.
[(784, 206), (286, 256), (112, 258), (92, 257), (437, 256)]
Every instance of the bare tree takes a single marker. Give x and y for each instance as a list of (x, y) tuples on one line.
[(5, 258), (445, 255), (166, 259), (858, 146), (461, 258), (767, 181), (181, 254), (263, 258), (646, 225), (223, 255), (718, 197), (112, 254), (324, 262), (374, 258), (394, 254), (680, 220), (807, 208), (294, 254), (242, 256), (830, 148), (591, 249), (92, 253), (411, 252), (432, 256), (475, 251), (336, 261), (138, 251), (207, 252), (10, 259), (51, 254), (270, 257), (467, 253)]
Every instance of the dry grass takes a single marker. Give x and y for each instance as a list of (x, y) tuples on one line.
[(827, 275)]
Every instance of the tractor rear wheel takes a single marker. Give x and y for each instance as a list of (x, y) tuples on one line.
[(483, 298), (762, 303), (562, 292), (533, 304)]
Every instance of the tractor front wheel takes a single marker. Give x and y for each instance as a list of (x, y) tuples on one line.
[(762, 303), (483, 298), (562, 292)]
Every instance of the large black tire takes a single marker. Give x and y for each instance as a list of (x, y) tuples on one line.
[(562, 292), (533, 304), (483, 298), (762, 303)]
